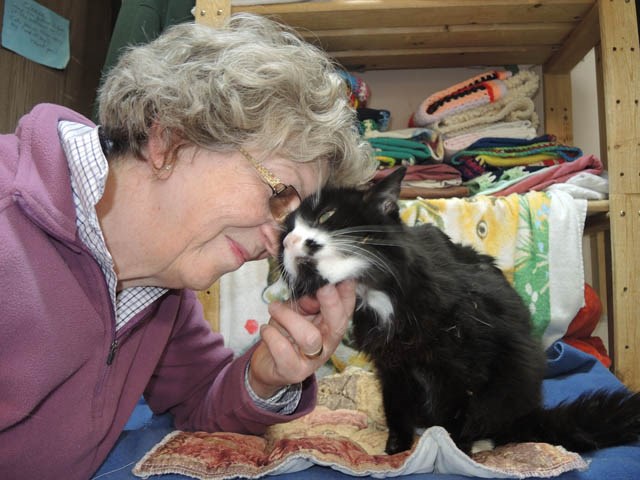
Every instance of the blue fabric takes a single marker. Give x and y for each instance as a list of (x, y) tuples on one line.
[(570, 373)]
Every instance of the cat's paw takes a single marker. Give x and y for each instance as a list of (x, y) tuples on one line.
[(482, 446), (397, 443)]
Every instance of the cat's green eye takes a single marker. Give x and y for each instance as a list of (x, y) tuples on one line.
[(326, 216)]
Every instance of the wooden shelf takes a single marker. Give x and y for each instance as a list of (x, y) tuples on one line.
[(399, 34), (556, 34)]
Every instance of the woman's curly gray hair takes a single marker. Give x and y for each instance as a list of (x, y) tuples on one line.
[(251, 83)]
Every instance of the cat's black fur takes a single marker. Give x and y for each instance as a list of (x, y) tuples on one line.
[(453, 344)]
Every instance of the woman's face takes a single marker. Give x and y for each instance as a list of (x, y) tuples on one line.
[(212, 215)]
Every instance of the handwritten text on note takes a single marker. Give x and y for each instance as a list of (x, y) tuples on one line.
[(35, 32)]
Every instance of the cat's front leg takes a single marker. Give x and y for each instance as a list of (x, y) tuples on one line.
[(399, 413)]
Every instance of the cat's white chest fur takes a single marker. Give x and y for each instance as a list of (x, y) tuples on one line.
[(377, 301), (330, 257)]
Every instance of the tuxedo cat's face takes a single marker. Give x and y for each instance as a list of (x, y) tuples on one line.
[(336, 234)]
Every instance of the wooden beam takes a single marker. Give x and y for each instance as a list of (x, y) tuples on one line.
[(582, 39), (341, 14), (620, 55), (439, 36), (558, 116), (212, 13), (440, 57), (210, 300)]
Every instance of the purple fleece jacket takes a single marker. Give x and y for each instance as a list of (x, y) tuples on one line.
[(62, 406)]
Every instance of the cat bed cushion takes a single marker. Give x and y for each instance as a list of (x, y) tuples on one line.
[(570, 373)]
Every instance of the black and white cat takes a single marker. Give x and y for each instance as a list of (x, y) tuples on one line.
[(449, 337)]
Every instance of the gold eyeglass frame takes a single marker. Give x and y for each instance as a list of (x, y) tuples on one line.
[(283, 195)]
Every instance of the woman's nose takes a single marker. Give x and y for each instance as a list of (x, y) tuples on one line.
[(271, 234)]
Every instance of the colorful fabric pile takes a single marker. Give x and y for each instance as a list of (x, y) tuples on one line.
[(428, 181), (488, 160), (370, 119), (486, 130), (409, 146), (487, 126), (421, 150)]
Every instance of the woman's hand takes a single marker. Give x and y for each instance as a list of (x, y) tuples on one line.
[(300, 337)]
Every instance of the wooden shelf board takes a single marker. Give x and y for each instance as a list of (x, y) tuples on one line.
[(402, 33)]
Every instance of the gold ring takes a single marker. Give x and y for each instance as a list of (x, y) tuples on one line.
[(312, 356)]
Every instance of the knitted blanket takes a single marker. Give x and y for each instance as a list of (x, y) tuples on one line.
[(513, 105)]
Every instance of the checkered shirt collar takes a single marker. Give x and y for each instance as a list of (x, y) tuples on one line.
[(88, 169)]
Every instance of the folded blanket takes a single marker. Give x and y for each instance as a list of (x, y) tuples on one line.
[(428, 181), (518, 129), (422, 144), (408, 192), (515, 105), (440, 172), (570, 373), (480, 90), (517, 149), (496, 155), (554, 175)]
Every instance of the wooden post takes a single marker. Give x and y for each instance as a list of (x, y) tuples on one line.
[(212, 13), (558, 118), (620, 55)]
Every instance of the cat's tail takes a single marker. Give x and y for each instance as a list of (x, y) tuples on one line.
[(594, 420)]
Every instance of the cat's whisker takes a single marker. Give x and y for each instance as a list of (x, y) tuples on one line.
[(380, 242), (481, 321), (367, 239), (369, 229)]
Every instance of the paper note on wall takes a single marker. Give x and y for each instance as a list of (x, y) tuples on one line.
[(35, 32)]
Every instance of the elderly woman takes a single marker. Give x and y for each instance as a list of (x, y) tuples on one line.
[(207, 139)]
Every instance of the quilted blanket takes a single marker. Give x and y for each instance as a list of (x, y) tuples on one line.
[(346, 431)]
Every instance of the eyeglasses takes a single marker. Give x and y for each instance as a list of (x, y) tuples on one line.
[(285, 198)]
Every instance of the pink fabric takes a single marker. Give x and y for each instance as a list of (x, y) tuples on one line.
[(438, 172), (555, 174)]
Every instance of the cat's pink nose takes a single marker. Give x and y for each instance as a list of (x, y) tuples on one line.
[(291, 240)]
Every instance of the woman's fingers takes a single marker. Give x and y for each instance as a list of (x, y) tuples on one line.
[(295, 343), (336, 306), (298, 328)]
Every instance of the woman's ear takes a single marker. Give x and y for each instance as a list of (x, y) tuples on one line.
[(157, 148), (162, 149)]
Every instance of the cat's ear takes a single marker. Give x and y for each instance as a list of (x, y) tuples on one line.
[(387, 191)]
